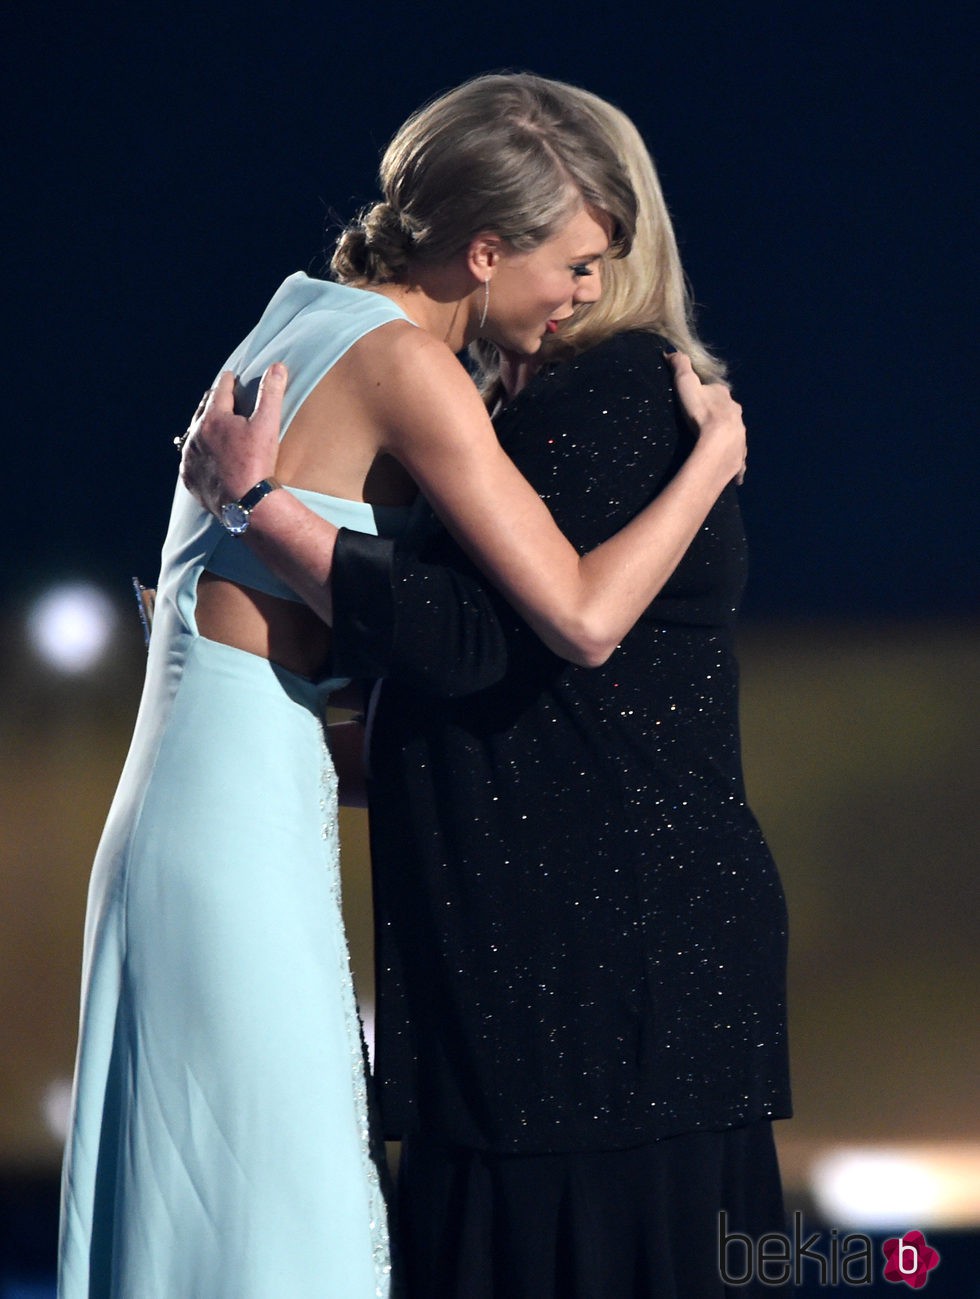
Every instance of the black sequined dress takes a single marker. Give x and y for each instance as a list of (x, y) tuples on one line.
[(581, 932)]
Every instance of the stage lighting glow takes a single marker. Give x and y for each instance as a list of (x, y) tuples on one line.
[(70, 627), (895, 1187), (56, 1107)]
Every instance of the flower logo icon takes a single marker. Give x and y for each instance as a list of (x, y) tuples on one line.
[(910, 1259)]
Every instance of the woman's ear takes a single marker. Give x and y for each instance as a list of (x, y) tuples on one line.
[(483, 254)]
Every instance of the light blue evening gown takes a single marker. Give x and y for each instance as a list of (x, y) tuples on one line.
[(219, 1146)]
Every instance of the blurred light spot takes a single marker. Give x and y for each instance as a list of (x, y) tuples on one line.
[(56, 1107), (916, 1186), (70, 626)]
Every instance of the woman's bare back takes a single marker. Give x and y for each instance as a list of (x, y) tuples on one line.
[(333, 446)]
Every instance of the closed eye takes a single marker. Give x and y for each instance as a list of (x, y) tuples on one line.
[(581, 268)]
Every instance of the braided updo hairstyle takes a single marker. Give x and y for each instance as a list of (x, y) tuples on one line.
[(509, 153)]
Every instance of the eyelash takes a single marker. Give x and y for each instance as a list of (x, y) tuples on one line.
[(581, 269)]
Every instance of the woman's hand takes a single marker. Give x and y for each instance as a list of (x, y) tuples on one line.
[(224, 454), (714, 412)]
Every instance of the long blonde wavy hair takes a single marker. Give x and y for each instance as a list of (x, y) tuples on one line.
[(645, 290)]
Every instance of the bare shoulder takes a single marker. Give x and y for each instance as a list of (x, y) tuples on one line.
[(417, 387), (378, 362), (341, 427), (398, 351)]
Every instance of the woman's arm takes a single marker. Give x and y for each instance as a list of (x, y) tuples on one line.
[(581, 606), (418, 612)]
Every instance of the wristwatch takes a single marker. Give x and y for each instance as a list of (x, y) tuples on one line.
[(236, 514)]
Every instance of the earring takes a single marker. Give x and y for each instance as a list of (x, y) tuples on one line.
[(486, 301)]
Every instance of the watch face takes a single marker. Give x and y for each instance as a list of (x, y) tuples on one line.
[(235, 518)]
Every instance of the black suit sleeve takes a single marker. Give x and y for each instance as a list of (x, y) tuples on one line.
[(431, 626)]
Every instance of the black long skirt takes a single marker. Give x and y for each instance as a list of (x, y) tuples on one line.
[(642, 1223)]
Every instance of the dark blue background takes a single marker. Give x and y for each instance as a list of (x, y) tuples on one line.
[(173, 163)]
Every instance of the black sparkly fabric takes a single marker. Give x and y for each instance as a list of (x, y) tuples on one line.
[(581, 934)]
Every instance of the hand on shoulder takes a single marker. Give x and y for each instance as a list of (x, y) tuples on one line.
[(713, 412)]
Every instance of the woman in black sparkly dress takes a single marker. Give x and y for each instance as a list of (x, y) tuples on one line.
[(580, 931)]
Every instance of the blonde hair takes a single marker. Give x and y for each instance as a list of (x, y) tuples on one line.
[(510, 153), (646, 290)]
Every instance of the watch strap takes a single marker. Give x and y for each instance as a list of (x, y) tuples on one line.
[(256, 493), (235, 515)]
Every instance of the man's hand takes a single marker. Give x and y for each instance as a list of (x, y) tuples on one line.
[(224, 454)]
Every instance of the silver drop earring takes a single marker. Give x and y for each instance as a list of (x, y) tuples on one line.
[(486, 301)]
